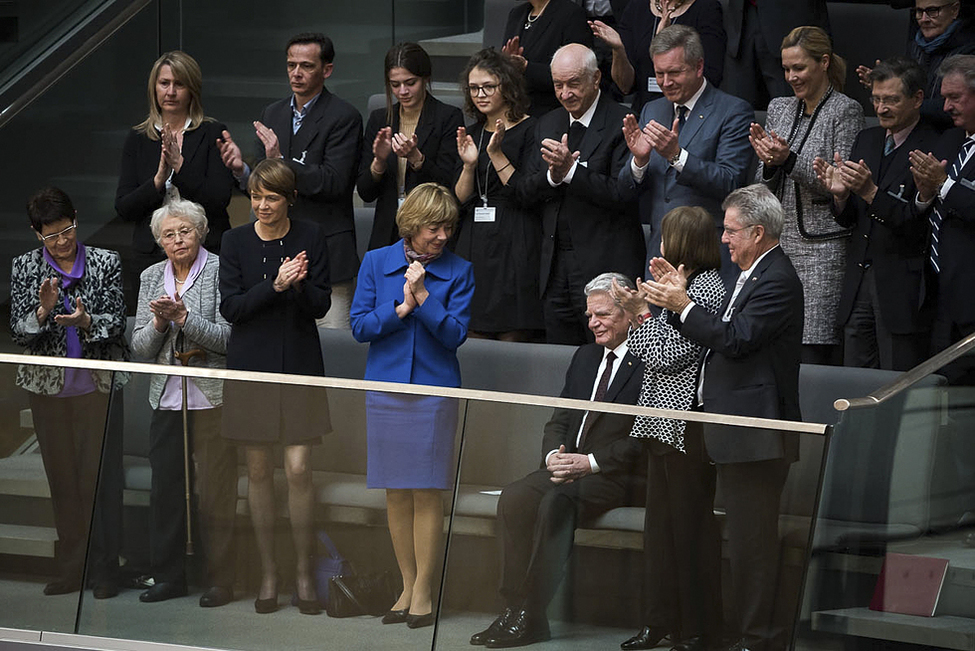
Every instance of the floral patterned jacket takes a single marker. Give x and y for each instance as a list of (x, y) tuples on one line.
[(100, 290)]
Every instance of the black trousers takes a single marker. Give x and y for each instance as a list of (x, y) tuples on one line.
[(868, 341), (681, 541), (70, 434), (751, 492), (214, 469), (536, 528), (564, 303)]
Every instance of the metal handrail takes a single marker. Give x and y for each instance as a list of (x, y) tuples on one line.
[(911, 377), (418, 389), (71, 59)]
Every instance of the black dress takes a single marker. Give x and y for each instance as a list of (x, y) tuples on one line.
[(505, 253), (273, 332)]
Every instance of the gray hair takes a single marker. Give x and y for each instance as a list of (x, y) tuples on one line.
[(757, 205), (589, 63), (188, 210), (604, 283), (959, 64), (677, 36)]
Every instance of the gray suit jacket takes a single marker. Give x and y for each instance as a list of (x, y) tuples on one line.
[(205, 328), (715, 136)]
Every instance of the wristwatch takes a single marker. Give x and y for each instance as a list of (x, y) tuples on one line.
[(673, 160)]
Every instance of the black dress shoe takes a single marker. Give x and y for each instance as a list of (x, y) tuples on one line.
[(396, 616), (696, 643), (105, 590), (498, 625), (62, 586), (419, 621), (647, 638), (163, 591), (523, 629), (216, 596), (265, 606), (309, 607)]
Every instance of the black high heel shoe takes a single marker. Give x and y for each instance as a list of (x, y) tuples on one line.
[(419, 621), (265, 606), (396, 616)]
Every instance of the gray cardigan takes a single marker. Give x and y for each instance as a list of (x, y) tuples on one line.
[(205, 328)]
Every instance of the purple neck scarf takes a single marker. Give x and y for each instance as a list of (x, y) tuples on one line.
[(422, 258), (69, 280)]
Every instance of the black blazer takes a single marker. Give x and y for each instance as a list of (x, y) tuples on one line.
[(956, 248), (561, 23), (436, 135), (203, 178), (751, 363), (603, 219), (324, 155), (776, 18), (888, 234), (273, 331), (608, 437)]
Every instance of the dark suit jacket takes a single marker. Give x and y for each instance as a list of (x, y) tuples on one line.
[(203, 178), (715, 136), (436, 135), (606, 233), (777, 19), (608, 437), (636, 30), (751, 363), (561, 23), (888, 234), (324, 155), (956, 248)]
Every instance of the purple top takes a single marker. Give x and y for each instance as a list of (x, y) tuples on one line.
[(77, 381)]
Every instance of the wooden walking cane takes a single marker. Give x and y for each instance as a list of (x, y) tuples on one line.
[(184, 359)]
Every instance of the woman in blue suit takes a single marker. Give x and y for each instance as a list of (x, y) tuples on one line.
[(412, 304)]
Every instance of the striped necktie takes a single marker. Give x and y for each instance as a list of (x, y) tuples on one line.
[(888, 145), (954, 172)]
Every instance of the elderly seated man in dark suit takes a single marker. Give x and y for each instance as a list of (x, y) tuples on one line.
[(589, 465), (319, 136)]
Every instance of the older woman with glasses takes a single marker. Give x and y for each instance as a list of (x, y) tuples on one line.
[(66, 301), (178, 316)]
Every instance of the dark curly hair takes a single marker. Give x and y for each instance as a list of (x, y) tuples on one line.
[(511, 80)]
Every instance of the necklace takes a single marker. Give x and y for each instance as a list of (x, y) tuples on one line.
[(538, 15), (178, 281)]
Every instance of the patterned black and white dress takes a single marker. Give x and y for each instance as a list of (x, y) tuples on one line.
[(670, 361)]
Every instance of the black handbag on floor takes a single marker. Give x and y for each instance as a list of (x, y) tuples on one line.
[(353, 594)]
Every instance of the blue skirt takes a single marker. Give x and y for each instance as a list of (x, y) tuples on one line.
[(410, 441)]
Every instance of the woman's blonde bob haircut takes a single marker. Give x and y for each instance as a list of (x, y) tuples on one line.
[(428, 204), (273, 175), (187, 71)]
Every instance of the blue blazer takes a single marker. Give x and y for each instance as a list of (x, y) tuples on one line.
[(422, 348), (719, 155)]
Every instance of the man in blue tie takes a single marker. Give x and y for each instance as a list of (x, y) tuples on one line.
[(945, 182)]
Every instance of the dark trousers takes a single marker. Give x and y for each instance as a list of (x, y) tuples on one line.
[(536, 527), (869, 343), (751, 492), (564, 303), (946, 331), (681, 542), (214, 466), (70, 433), (756, 74)]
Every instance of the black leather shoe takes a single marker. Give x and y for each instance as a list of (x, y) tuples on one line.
[(62, 586), (419, 621), (104, 590), (265, 606), (216, 596), (696, 643), (163, 591), (498, 625), (396, 616), (647, 638), (523, 629), (309, 607)]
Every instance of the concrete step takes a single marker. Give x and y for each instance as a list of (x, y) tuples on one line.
[(26, 540), (23, 476)]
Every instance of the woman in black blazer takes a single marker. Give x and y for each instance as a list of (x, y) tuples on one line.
[(172, 152), (408, 143), (535, 30)]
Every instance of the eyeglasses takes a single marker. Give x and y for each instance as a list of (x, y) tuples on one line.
[(731, 231), (63, 233), (886, 100), (932, 12), (487, 89), (184, 234)]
